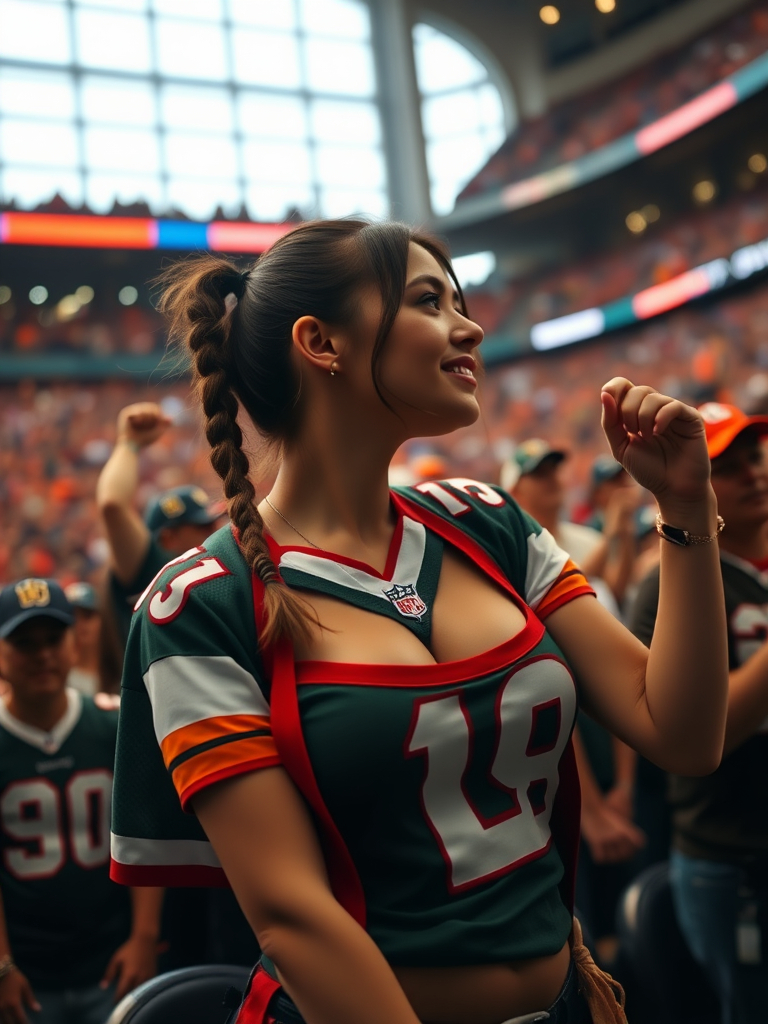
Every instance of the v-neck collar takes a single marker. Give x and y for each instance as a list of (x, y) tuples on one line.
[(405, 591), (403, 564), (50, 742)]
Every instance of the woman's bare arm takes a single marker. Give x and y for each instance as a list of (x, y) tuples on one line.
[(263, 836), (669, 702)]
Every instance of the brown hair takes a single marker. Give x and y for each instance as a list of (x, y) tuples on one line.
[(242, 352)]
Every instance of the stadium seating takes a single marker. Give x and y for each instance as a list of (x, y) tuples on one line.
[(671, 247), (577, 126), (193, 995), (674, 989)]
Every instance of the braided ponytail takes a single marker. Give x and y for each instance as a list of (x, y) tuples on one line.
[(198, 299)]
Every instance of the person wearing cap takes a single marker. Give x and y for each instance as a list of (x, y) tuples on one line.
[(533, 476), (85, 674), (71, 941), (174, 522), (719, 861)]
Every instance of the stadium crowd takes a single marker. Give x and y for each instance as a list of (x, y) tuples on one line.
[(577, 126), (663, 252), (102, 327)]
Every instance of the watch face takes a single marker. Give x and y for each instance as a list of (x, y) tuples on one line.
[(676, 535)]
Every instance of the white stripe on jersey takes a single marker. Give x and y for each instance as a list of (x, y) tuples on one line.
[(407, 568), (163, 852), (545, 563), (184, 689)]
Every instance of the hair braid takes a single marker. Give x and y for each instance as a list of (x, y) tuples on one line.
[(206, 327)]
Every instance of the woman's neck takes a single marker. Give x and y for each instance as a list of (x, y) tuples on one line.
[(335, 492), (42, 713)]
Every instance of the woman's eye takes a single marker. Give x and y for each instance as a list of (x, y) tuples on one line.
[(431, 299)]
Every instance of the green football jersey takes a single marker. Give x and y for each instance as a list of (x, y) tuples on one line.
[(445, 795), (65, 916)]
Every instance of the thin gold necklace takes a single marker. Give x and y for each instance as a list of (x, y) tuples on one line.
[(287, 521)]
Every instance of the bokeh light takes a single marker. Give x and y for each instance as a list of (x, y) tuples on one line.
[(128, 295), (549, 15)]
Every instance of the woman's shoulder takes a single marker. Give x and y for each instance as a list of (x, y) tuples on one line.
[(201, 602)]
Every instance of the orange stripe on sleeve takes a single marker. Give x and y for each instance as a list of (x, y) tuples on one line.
[(569, 584), (181, 740), (250, 754)]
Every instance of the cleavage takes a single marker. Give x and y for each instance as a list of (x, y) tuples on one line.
[(469, 615)]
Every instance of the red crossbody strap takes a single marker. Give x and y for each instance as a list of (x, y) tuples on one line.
[(261, 988)]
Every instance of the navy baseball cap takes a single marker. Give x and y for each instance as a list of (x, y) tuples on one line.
[(30, 599), (82, 595), (528, 456), (186, 504)]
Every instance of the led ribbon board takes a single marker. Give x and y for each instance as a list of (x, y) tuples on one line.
[(94, 232), (659, 298)]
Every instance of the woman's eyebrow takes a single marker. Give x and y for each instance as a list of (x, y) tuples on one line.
[(433, 282)]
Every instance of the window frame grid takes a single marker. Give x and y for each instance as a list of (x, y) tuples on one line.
[(77, 71)]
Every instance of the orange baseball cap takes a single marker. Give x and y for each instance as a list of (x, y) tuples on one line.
[(723, 424)]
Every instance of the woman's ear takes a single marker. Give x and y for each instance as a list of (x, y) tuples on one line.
[(315, 342)]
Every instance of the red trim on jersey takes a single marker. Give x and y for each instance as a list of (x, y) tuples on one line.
[(438, 674), (458, 539), (198, 876), (389, 568), (224, 773), (289, 738)]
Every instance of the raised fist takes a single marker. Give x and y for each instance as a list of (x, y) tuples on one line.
[(143, 423)]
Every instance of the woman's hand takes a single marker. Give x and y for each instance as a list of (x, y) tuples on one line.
[(658, 440)]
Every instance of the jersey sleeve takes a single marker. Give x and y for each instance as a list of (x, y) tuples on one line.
[(194, 652), (552, 578), (536, 566)]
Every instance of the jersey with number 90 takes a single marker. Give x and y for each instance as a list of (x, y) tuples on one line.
[(65, 917), (444, 794)]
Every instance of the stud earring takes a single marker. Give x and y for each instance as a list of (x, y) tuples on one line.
[(333, 368)]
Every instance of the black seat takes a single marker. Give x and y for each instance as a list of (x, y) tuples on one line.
[(192, 995), (664, 983)]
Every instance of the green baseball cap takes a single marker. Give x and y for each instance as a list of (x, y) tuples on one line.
[(527, 457)]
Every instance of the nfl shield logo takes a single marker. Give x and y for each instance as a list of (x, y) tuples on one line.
[(406, 600)]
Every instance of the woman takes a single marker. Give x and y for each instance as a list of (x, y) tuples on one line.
[(373, 726)]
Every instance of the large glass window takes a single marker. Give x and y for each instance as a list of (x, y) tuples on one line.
[(191, 106), (462, 112)]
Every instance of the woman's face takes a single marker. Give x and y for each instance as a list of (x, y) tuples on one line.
[(428, 368)]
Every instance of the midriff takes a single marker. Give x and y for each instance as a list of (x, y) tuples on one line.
[(484, 993)]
